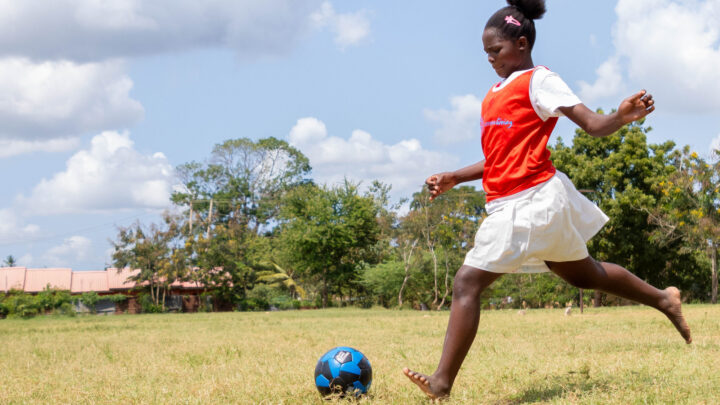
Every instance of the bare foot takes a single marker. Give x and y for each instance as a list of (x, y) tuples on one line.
[(674, 312), (423, 381)]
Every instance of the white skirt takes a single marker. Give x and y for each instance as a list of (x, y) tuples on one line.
[(551, 221)]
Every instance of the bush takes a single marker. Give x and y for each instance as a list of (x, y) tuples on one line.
[(147, 304), (20, 305), (537, 290), (65, 309), (50, 299), (206, 302), (89, 299), (383, 282), (253, 304), (116, 298)]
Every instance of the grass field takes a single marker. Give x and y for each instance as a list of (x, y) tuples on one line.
[(621, 355)]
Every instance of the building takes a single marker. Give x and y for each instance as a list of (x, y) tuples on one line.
[(183, 296)]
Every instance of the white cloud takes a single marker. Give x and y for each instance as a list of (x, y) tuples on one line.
[(62, 99), (609, 83), (462, 123), (18, 147), (72, 249), (25, 260), (91, 30), (111, 175), (671, 48), (12, 227), (349, 29), (404, 165)]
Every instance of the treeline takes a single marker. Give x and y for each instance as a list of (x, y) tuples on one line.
[(252, 226)]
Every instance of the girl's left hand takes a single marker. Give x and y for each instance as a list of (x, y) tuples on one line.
[(636, 106)]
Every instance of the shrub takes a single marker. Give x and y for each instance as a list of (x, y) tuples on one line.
[(21, 305), (147, 304), (89, 299)]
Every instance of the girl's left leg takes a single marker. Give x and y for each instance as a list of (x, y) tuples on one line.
[(611, 278), (461, 330)]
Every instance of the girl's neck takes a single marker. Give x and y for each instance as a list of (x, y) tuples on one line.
[(527, 64)]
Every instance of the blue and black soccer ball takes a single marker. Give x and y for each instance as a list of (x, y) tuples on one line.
[(343, 370)]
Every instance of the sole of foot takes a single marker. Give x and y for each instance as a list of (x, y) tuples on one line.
[(674, 313)]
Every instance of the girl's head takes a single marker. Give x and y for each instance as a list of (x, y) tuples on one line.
[(510, 35)]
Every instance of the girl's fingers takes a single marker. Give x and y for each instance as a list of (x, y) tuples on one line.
[(640, 95)]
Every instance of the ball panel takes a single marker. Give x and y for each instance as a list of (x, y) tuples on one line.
[(321, 381), (360, 386), (357, 356), (350, 368), (334, 367), (325, 370)]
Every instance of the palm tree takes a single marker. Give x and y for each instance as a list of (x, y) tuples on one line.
[(10, 261), (275, 276)]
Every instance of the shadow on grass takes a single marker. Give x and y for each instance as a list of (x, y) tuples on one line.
[(554, 387)]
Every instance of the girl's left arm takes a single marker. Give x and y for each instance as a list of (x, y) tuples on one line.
[(631, 109)]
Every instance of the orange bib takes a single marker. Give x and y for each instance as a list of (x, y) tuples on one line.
[(514, 140)]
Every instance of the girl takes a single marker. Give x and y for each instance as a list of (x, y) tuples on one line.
[(537, 220)]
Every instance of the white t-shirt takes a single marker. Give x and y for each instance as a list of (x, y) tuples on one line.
[(548, 92)]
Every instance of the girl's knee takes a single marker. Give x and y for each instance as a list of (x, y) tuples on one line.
[(469, 280)]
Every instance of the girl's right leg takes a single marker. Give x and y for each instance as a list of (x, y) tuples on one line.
[(611, 278), (469, 283)]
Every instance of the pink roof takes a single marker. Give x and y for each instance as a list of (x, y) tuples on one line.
[(187, 284), (117, 279), (85, 281), (12, 278), (112, 279), (37, 280)]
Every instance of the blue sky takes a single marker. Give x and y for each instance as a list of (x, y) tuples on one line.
[(99, 101)]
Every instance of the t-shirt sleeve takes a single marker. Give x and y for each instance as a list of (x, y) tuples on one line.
[(548, 92)]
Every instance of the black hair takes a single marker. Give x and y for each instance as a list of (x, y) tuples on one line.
[(523, 12)]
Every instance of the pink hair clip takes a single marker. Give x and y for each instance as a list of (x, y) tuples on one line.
[(511, 20)]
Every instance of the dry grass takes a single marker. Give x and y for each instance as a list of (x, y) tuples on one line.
[(606, 356)]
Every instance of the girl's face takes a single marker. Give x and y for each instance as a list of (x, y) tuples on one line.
[(505, 55)]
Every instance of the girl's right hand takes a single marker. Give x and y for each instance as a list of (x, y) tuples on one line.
[(440, 183)]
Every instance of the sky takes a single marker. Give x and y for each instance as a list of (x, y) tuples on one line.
[(101, 100)]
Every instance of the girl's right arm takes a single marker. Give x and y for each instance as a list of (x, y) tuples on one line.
[(442, 182), (631, 109)]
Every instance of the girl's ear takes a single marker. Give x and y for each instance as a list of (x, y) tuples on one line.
[(522, 43)]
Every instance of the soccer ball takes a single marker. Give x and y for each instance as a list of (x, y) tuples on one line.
[(343, 370)]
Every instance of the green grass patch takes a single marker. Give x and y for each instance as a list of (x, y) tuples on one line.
[(624, 355)]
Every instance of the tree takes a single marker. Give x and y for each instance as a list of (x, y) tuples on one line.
[(689, 209), (620, 173), (326, 233), (447, 227), (242, 182), (227, 260), (10, 261), (157, 251)]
